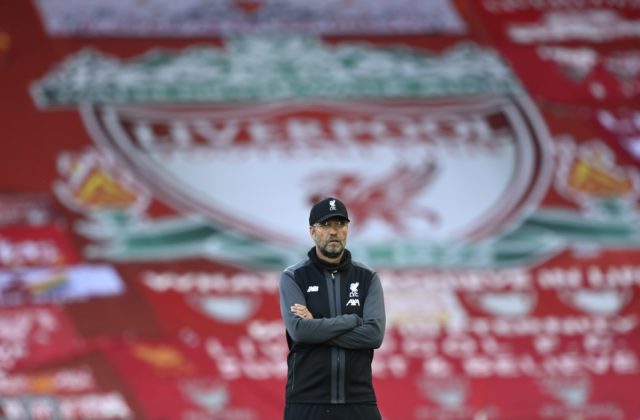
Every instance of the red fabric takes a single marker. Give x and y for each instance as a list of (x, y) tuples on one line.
[(549, 331)]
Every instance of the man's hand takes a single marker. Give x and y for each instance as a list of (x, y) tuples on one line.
[(301, 311)]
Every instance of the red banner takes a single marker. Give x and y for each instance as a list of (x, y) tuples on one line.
[(36, 246), (530, 22), (153, 190)]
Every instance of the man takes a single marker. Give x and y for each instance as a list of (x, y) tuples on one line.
[(333, 311)]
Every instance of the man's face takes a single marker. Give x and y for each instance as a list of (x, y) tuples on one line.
[(330, 236)]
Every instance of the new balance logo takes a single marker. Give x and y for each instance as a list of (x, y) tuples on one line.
[(353, 302), (312, 289)]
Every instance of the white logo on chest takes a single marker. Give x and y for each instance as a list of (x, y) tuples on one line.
[(353, 302), (354, 290), (353, 294), (312, 289)]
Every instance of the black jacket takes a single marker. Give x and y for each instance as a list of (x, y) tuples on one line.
[(330, 356)]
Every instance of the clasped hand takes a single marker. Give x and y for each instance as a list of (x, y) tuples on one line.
[(301, 311)]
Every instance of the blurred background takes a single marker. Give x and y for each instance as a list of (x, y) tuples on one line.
[(158, 160)]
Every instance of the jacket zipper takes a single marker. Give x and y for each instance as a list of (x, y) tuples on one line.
[(335, 298)]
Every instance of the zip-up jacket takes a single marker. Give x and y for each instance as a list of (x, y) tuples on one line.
[(329, 360)]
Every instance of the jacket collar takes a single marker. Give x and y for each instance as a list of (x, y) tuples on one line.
[(344, 263)]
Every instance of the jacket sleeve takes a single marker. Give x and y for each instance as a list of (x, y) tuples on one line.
[(310, 331), (369, 335)]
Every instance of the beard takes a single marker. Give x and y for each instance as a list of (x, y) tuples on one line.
[(331, 249), (331, 253)]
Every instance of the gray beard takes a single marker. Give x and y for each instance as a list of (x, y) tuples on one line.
[(330, 254)]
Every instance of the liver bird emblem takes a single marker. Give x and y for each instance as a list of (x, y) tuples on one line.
[(390, 197)]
